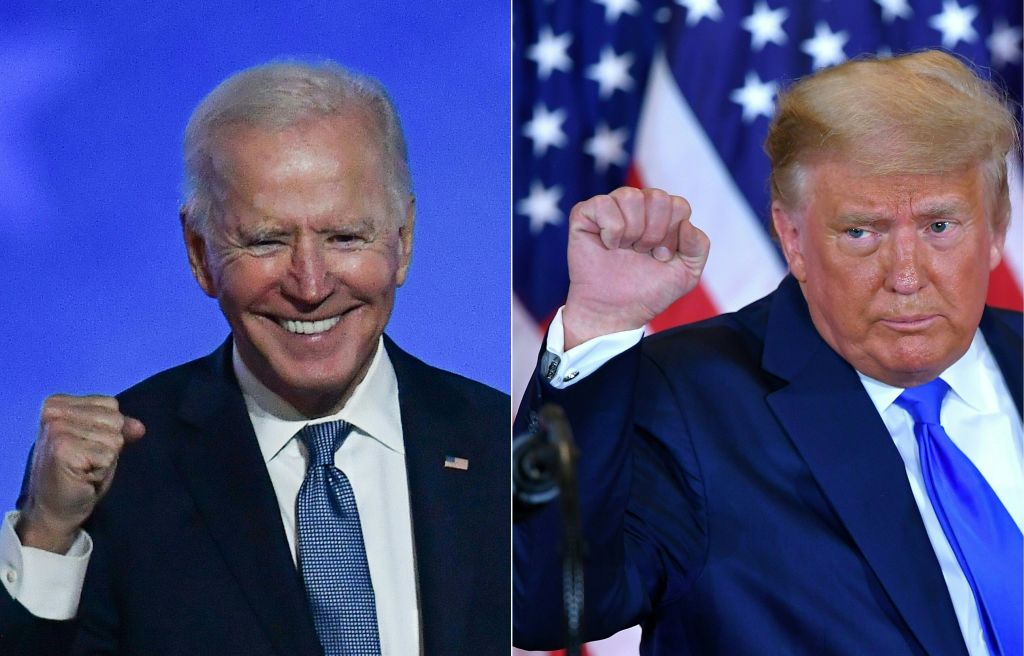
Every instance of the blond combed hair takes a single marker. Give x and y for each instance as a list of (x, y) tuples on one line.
[(920, 113)]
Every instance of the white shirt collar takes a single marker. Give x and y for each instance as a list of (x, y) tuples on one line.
[(970, 378), (372, 409)]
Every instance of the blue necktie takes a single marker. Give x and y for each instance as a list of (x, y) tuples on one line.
[(332, 557), (987, 543)]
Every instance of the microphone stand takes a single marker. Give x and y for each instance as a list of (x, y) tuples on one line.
[(544, 466)]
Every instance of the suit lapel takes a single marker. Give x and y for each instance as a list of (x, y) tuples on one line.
[(835, 427), (437, 500), (221, 463), (1007, 348)]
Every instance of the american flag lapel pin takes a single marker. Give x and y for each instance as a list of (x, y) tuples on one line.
[(451, 462)]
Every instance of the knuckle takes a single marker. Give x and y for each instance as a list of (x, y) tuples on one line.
[(681, 205), (50, 414), (628, 194), (656, 195), (103, 401), (603, 203), (659, 199), (58, 428)]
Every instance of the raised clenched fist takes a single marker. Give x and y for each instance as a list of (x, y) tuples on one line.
[(73, 464), (632, 253)]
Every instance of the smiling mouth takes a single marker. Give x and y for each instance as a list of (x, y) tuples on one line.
[(308, 327)]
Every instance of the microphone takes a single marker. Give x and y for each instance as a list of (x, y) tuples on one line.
[(535, 459)]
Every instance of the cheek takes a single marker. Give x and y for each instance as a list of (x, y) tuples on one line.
[(244, 281), (370, 272)]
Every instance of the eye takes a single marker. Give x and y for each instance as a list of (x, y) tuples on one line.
[(856, 233), (347, 239), (938, 227)]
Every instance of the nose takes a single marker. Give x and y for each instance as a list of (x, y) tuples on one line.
[(906, 274), (308, 280)]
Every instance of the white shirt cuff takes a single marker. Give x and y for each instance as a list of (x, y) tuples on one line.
[(48, 585), (564, 368)]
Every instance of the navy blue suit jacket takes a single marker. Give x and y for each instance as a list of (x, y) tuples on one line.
[(741, 495), (190, 555)]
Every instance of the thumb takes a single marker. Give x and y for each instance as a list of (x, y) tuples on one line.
[(693, 243), (133, 429)]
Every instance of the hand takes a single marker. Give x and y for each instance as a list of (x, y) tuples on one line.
[(632, 254), (73, 464)]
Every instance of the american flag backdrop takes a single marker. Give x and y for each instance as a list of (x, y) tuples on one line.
[(677, 94)]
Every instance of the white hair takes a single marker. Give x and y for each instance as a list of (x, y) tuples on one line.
[(276, 96)]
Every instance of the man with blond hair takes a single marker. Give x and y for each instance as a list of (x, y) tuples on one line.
[(308, 488), (836, 468)]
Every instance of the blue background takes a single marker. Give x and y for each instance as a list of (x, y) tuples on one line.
[(94, 97)]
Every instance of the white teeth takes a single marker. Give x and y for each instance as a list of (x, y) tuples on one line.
[(308, 327)]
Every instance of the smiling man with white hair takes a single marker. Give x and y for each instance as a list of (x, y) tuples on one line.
[(309, 486)]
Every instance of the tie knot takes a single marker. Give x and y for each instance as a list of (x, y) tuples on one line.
[(924, 401), (322, 440)]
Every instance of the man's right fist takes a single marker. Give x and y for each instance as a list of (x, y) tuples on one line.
[(73, 464), (632, 253)]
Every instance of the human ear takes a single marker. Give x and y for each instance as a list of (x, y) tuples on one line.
[(405, 241), (787, 226), (195, 245)]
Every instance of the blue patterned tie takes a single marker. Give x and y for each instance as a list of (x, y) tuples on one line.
[(332, 557), (987, 543)]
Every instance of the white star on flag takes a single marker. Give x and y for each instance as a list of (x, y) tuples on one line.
[(955, 23), (607, 147), (893, 9), (826, 46), (551, 52), (545, 129), (765, 26), (756, 97), (698, 9), (1004, 43), (615, 8), (541, 206), (611, 72)]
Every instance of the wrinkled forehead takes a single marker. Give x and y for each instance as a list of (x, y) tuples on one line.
[(853, 186), (317, 144), (324, 169)]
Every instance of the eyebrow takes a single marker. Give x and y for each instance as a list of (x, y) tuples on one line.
[(261, 232), (943, 209), (855, 218), (360, 225), (937, 209)]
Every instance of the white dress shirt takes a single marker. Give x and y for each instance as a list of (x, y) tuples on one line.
[(373, 459), (978, 413)]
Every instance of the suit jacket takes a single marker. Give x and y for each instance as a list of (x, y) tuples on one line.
[(741, 495), (190, 556)]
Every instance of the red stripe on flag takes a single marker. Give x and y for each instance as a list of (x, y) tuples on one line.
[(633, 178), (694, 306), (1003, 290), (561, 652)]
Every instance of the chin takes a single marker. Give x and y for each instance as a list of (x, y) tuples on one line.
[(916, 367)]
